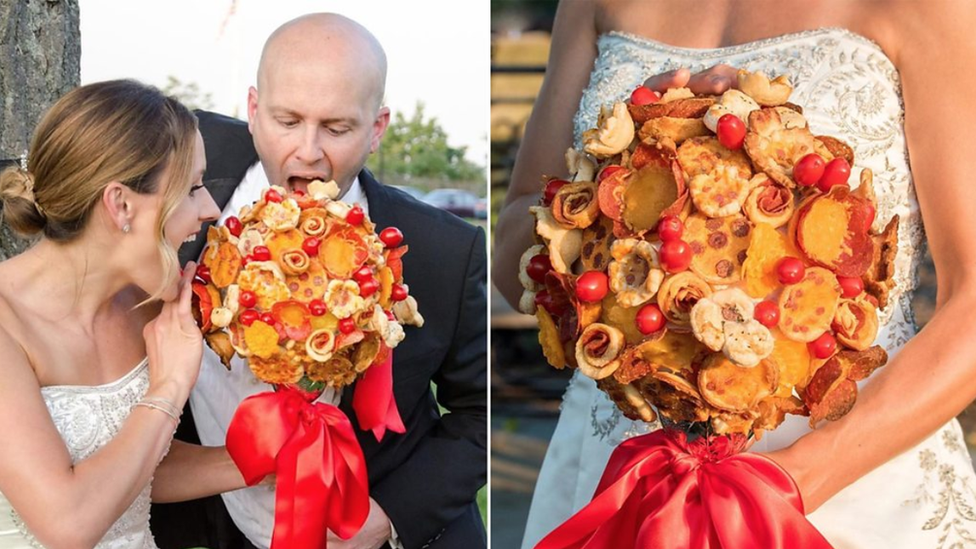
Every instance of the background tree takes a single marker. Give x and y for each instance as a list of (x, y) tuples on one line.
[(40, 55), (188, 93), (415, 152)]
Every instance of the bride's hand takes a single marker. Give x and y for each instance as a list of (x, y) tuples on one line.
[(174, 345), (714, 80)]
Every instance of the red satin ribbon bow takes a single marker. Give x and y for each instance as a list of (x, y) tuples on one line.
[(373, 401), (661, 492), (321, 473)]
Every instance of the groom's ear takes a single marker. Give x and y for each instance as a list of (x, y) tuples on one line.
[(379, 128), (252, 107)]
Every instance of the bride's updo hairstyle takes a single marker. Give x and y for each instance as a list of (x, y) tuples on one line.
[(119, 130)]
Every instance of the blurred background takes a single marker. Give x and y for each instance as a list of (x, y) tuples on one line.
[(526, 391)]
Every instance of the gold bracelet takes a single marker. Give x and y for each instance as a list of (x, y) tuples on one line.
[(160, 408), (160, 401)]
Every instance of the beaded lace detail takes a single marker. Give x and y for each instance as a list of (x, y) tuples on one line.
[(87, 419)]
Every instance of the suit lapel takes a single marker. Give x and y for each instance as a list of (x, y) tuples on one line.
[(377, 197)]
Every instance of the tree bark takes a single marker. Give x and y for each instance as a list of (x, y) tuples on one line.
[(40, 56)]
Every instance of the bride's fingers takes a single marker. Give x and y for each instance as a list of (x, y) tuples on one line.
[(182, 310), (661, 83), (714, 80)]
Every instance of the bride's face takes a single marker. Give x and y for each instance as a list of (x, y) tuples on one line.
[(194, 209)]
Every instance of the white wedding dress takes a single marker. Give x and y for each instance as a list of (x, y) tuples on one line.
[(922, 499), (88, 418)]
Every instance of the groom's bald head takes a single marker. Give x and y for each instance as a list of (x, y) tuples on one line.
[(316, 112), (326, 42)]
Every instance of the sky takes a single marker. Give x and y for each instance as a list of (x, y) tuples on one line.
[(438, 51)]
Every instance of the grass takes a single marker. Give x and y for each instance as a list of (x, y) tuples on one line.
[(483, 503)]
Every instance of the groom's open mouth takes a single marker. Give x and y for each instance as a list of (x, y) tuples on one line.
[(301, 182)]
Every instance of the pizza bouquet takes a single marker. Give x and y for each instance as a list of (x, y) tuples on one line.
[(302, 287), (708, 262)]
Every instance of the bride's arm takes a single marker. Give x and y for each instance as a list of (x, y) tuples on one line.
[(61, 504), (548, 134), (190, 471), (73, 505), (933, 378)]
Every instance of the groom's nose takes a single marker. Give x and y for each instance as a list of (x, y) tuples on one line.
[(310, 149)]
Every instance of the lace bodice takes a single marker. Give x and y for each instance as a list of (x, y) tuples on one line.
[(87, 419), (848, 88)]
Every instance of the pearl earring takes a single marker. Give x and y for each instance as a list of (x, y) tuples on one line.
[(126, 228)]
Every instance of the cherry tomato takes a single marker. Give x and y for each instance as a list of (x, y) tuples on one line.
[(592, 286), (368, 287), (675, 255), (363, 273), (355, 216), (537, 268), (823, 346), (247, 298), (650, 319), (790, 270), (836, 172), (234, 225), (808, 170), (552, 187), (605, 173), (272, 195), (347, 325), (643, 95), (731, 131), (852, 286), (391, 237), (248, 316), (767, 313), (267, 318), (670, 228), (261, 253), (317, 307), (203, 273), (399, 293), (311, 246)]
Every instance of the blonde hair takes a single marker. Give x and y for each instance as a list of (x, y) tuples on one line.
[(118, 130)]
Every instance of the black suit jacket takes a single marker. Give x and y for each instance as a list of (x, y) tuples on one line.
[(426, 479)]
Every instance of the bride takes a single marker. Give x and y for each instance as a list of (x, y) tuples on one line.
[(94, 372), (886, 78)]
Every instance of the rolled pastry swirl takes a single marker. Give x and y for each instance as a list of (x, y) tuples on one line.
[(575, 205), (597, 350)]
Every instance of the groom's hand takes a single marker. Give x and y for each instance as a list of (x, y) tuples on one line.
[(373, 535)]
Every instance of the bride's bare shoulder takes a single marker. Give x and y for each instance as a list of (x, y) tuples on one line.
[(13, 357), (11, 323), (927, 28)]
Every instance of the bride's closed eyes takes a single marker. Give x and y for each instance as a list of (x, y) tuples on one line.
[(195, 188)]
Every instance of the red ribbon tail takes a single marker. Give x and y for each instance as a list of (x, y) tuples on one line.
[(373, 400), (661, 492)]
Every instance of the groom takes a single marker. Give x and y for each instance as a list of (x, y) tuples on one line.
[(316, 113)]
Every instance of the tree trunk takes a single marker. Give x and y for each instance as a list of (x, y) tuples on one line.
[(40, 55)]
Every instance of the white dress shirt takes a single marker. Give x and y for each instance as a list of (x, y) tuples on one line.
[(218, 392)]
